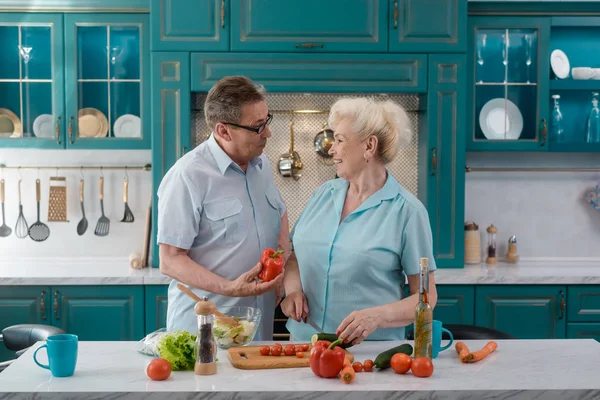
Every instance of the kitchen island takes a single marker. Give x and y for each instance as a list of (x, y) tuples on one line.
[(519, 369)]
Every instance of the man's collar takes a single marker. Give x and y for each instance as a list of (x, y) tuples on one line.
[(222, 158)]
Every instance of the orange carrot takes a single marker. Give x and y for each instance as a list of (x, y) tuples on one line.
[(347, 374), (483, 353), (347, 362), (462, 350)]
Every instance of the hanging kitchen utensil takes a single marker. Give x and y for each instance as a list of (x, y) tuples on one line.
[(21, 228), (322, 143), (103, 224), (128, 215), (83, 224), (57, 199), (4, 229), (38, 231), (290, 163), (147, 235)]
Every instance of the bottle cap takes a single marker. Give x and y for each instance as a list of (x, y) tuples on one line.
[(205, 307), (492, 229)]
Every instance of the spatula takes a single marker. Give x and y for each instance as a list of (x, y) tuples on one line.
[(83, 224), (4, 229), (38, 231), (103, 224)]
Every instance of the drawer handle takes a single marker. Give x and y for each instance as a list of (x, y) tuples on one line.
[(71, 130), (58, 130), (309, 45), (222, 13), (433, 161), (544, 132), (396, 14), (43, 305), (56, 305), (563, 304)]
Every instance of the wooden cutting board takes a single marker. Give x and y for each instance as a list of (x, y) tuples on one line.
[(250, 358)]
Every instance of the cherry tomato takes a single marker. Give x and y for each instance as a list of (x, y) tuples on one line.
[(265, 350), (368, 365), (290, 350), (422, 367), (158, 369), (276, 351), (358, 367), (298, 348), (400, 363), (305, 347), (300, 354)]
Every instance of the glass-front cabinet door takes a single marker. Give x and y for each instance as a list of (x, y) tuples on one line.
[(107, 81), (31, 80), (509, 76)]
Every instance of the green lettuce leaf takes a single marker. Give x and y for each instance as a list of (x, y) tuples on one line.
[(178, 349)]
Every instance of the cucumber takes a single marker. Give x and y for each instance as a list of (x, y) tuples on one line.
[(330, 337), (383, 360)]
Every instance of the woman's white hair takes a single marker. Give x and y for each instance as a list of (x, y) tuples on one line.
[(384, 119)]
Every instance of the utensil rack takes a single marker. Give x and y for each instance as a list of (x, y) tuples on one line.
[(526, 169), (147, 167)]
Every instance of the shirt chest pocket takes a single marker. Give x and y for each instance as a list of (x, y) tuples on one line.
[(226, 219), (275, 207)]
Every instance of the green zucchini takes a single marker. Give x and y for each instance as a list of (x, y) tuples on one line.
[(330, 337), (383, 360)]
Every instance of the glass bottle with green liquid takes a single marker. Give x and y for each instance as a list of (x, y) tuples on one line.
[(423, 314)]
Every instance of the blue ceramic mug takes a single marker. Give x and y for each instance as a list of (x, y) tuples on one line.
[(62, 354), (436, 338)]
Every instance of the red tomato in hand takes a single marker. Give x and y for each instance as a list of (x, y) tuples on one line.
[(158, 369), (401, 363), (422, 367)]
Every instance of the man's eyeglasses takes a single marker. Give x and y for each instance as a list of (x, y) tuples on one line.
[(258, 130)]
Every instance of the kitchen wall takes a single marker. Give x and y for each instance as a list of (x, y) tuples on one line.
[(545, 210), (123, 238)]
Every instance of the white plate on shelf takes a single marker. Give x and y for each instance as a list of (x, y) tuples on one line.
[(560, 64), (128, 126), (500, 119), (42, 126)]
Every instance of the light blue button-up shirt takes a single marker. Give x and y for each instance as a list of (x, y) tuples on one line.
[(360, 262), (225, 218)]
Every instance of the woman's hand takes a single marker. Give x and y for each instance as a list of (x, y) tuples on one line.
[(295, 306), (358, 325)]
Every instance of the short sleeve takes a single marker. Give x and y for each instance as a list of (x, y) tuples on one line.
[(417, 242), (179, 211)]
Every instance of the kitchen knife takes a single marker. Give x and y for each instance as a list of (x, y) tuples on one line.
[(312, 323)]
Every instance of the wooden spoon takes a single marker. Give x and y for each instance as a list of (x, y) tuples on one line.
[(224, 318)]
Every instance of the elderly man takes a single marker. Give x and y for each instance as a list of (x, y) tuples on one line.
[(218, 208)]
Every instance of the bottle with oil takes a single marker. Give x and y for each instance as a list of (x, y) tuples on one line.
[(423, 314)]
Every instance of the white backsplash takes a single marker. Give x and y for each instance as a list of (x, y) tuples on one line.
[(123, 238), (545, 210)]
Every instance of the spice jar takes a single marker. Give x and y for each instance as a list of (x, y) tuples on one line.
[(205, 349), (472, 243), (491, 245), (512, 256)]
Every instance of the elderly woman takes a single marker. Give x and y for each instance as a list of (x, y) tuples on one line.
[(359, 234)]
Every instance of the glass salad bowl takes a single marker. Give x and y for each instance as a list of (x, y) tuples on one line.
[(227, 335)]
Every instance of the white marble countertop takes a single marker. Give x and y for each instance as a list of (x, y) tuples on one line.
[(116, 271), (519, 369)]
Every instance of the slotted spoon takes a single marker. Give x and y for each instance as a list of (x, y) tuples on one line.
[(83, 224), (21, 228), (103, 224), (4, 229), (38, 231), (128, 215)]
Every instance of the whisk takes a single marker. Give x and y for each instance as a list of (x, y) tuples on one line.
[(21, 228)]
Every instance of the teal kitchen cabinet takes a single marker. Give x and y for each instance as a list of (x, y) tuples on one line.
[(583, 330), (171, 118), (455, 304), (508, 83), (428, 26), (443, 181), (526, 312), (309, 26), (190, 25), (583, 303), (156, 301), (75, 81)]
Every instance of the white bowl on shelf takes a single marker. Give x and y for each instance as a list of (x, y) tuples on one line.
[(596, 73), (583, 73)]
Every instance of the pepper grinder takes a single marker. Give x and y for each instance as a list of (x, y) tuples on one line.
[(491, 245), (512, 256), (205, 349)]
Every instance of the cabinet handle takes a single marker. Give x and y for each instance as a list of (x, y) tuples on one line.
[(433, 161), (544, 132), (58, 130), (395, 14), (563, 304), (56, 316), (222, 13), (71, 130), (309, 45), (43, 305)]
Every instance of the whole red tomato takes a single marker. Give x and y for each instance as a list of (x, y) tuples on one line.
[(272, 263), (422, 367), (400, 363), (265, 351), (158, 369)]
